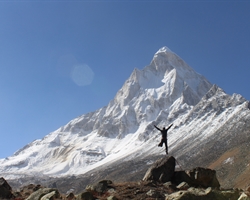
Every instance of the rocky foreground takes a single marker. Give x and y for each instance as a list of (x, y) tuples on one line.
[(160, 182)]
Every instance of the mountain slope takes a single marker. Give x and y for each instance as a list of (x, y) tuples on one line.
[(206, 121)]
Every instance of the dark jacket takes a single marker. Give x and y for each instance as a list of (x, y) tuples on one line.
[(164, 131)]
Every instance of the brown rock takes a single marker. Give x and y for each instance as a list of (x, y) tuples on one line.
[(70, 196), (204, 177), (161, 171), (5, 189), (198, 177)]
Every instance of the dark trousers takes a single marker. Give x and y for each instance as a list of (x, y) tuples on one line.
[(165, 142)]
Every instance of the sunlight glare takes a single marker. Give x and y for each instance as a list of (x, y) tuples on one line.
[(82, 75)]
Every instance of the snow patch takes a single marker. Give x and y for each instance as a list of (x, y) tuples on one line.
[(229, 160)]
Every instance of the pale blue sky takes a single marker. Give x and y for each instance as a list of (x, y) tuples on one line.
[(44, 44)]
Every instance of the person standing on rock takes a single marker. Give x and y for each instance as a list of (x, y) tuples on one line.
[(164, 137)]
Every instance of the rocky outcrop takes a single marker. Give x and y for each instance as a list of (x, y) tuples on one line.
[(204, 177), (5, 189), (197, 177), (162, 170)]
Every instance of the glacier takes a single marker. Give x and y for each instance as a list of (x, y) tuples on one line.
[(166, 91)]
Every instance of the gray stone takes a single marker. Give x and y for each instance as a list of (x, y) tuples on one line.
[(162, 170), (37, 195)]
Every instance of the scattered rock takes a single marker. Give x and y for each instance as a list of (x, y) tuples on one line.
[(161, 181)]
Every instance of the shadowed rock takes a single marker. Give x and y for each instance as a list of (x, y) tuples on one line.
[(5, 189), (204, 177), (161, 171)]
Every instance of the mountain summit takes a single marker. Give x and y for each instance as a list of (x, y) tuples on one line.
[(166, 91)]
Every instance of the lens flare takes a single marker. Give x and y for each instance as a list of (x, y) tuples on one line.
[(82, 75)]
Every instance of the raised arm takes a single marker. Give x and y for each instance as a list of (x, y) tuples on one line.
[(157, 127), (169, 127)]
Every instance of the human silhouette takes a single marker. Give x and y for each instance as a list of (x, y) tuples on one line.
[(164, 137)]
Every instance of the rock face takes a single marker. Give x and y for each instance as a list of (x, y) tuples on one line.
[(162, 170), (204, 177), (5, 189), (197, 177)]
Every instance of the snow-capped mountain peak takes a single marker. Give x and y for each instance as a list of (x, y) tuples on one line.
[(163, 49), (166, 91)]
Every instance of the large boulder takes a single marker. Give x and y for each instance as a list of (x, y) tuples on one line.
[(204, 177), (5, 189), (161, 171), (198, 177), (85, 196)]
